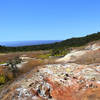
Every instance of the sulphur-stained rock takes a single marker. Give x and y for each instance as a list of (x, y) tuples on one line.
[(72, 80)]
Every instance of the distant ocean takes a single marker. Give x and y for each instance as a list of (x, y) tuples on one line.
[(27, 43)]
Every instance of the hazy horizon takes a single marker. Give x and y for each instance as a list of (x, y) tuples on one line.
[(27, 43)]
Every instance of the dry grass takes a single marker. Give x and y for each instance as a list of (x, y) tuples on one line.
[(27, 67), (6, 73), (33, 54), (30, 65), (35, 63)]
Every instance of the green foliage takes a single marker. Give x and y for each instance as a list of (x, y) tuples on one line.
[(2, 79), (59, 52), (17, 60), (73, 42), (12, 65), (2, 62), (45, 56)]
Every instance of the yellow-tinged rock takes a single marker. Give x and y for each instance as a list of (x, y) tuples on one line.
[(68, 70)]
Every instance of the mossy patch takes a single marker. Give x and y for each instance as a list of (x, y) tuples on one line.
[(2, 62), (2, 79), (44, 56)]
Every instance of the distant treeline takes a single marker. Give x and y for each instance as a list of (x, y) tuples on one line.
[(73, 42)]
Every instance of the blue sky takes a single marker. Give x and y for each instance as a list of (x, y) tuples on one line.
[(48, 19)]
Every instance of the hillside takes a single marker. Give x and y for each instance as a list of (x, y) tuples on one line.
[(73, 42), (73, 77), (76, 76)]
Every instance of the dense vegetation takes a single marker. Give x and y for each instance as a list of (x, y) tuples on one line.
[(57, 47)]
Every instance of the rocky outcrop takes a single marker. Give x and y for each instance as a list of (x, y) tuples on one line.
[(76, 78), (88, 55), (57, 82)]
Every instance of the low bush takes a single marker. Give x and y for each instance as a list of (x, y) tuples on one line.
[(2, 79), (45, 56), (59, 52)]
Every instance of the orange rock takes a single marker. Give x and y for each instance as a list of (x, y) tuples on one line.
[(91, 94), (61, 92)]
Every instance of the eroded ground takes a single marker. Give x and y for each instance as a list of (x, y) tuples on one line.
[(57, 82), (77, 77)]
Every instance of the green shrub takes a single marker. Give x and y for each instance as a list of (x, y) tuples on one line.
[(2, 62), (44, 56), (2, 79), (59, 52)]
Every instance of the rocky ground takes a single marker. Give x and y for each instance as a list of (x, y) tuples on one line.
[(72, 79)]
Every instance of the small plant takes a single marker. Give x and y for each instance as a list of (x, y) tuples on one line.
[(13, 65), (17, 60), (2, 62), (45, 56), (59, 52), (2, 79)]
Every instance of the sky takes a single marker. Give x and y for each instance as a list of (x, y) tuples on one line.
[(23, 20)]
